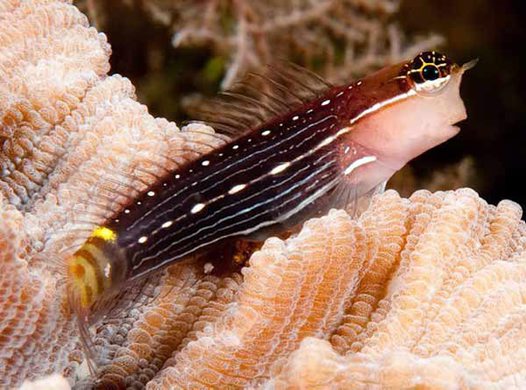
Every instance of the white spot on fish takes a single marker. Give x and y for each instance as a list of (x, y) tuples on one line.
[(330, 139), (198, 207), (339, 94), (325, 102), (280, 168), (178, 176), (235, 147), (142, 240), (127, 211), (295, 118), (265, 133), (310, 110), (326, 141), (107, 270), (208, 267), (205, 163), (151, 193), (167, 224), (236, 188), (139, 202), (359, 83)]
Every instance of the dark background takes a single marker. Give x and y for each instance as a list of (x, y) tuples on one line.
[(495, 131), (493, 31)]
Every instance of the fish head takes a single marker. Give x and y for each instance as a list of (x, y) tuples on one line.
[(416, 107)]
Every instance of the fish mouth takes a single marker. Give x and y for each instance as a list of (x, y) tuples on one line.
[(454, 126), (455, 129), (469, 65)]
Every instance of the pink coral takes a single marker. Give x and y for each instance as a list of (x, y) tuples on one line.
[(426, 291), (407, 293), (37, 335)]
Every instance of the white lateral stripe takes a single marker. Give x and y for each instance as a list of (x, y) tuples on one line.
[(230, 166), (359, 163), (377, 106), (233, 216), (329, 140)]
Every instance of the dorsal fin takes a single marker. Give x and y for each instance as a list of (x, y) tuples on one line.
[(259, 97)]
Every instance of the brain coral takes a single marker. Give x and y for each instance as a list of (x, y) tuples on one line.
[(422, 292)]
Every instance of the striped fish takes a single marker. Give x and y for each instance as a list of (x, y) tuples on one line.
[(299, 147)]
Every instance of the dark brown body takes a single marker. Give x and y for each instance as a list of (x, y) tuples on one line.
[(296, 163)]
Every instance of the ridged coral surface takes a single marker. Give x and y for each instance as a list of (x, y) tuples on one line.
[(422, 292), (425, 292)]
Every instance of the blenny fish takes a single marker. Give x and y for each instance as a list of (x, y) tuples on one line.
[(299, 147)]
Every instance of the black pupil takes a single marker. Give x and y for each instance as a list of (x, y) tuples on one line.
[(430, 73)]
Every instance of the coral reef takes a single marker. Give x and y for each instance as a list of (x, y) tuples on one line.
[(36, 335), (72, 141), (344, 38), (421, 292), (426, 291), (450, 315)]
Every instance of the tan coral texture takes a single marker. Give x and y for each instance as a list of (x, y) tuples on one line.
[(423, 292)]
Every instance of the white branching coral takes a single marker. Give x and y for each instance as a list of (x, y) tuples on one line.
[(348, 37)]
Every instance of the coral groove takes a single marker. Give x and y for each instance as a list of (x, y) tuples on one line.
[(36, 334), (450, 313), (284, 298)]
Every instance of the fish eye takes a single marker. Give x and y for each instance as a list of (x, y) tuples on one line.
[(428, 72)]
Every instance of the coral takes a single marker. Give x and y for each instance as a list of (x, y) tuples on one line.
[(57, 110), (141, 340), (72, 140), (347, 38), (36, 332), (426, 291)]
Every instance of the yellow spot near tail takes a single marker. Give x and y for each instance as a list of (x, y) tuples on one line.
[(105, 233)]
